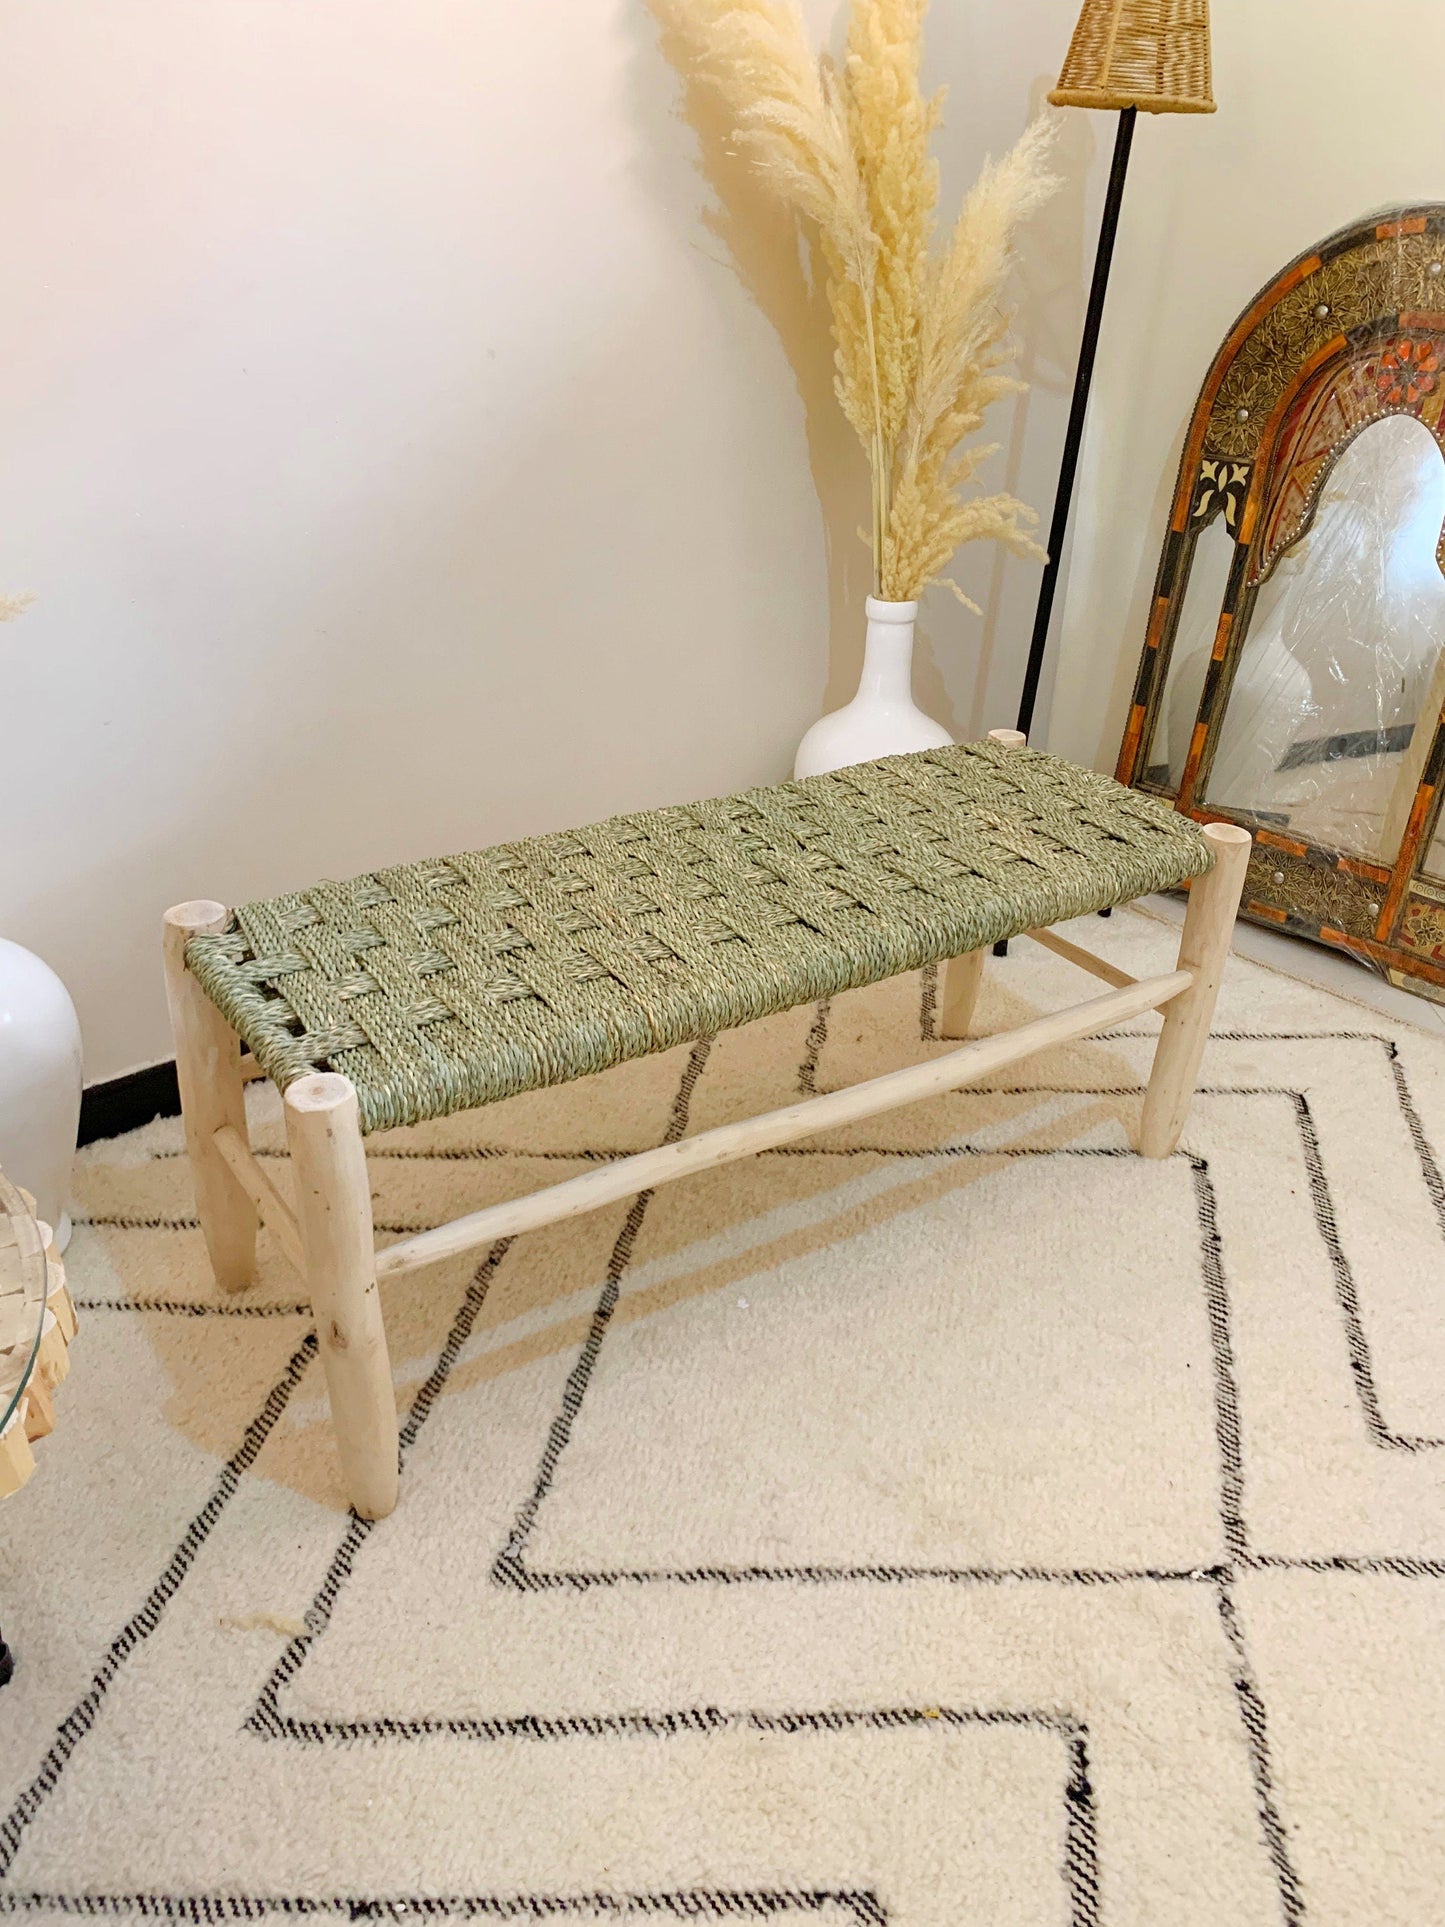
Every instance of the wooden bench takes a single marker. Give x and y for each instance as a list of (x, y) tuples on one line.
[(419, 991)]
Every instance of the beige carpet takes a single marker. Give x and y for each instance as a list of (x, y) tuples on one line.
[(958, 1520)]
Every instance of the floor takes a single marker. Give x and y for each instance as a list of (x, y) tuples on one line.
[(952, 1521)]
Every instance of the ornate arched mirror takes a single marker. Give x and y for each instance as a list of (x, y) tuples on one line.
[(1293, 674)]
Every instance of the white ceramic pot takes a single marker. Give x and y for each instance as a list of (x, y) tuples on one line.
[(882, 719), (40, 1080)]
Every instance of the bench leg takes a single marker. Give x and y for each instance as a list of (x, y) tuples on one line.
[(1208, 924), (961, 980), (1006, 739), (208, 1070), (333, 1209)]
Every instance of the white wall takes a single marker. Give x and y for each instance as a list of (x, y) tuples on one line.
[(399, 460), (1325, 113)]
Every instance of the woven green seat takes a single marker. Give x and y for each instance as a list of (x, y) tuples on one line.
[(442, 985)]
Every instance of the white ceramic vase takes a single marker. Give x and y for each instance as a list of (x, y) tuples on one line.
[(40, 1079), (882, 719)]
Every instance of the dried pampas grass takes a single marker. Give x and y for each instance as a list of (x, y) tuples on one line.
[(921, 343)]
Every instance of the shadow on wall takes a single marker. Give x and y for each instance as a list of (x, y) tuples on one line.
[(1120, 649), (1050, 288), (761, 245)]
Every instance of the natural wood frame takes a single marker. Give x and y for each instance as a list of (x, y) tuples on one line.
[(33, 1415), (1375, 280), (328, 1234)]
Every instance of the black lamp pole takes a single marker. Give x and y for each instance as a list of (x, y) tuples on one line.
[(1074, 435)]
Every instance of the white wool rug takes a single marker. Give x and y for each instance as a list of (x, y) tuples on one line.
[(954, 1520)]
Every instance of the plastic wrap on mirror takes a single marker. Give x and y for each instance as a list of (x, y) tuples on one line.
[(1341, 675)]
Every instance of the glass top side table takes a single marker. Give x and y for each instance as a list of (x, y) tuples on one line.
[(24, 1289), (37, 1322)]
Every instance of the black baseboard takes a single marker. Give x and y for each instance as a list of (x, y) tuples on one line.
[(122, 1103)]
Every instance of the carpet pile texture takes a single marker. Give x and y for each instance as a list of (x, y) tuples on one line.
[(956, 1519)]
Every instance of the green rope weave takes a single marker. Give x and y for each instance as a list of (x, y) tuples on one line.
[(438, 986)]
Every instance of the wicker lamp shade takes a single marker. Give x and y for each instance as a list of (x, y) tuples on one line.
[(1152, 54)]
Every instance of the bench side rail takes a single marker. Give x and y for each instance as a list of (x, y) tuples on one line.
[(647, 1169)]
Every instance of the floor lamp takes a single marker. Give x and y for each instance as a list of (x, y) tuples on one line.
[(1125, 55)]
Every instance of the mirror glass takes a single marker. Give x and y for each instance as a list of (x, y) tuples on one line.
[(1189, 656), (1340, 683)]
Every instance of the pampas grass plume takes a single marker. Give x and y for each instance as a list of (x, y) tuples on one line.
[(921, 342)]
